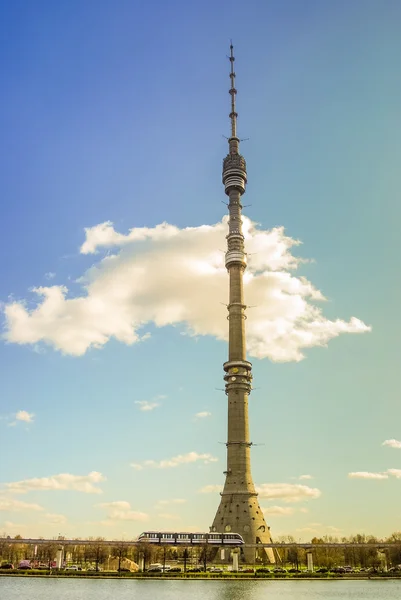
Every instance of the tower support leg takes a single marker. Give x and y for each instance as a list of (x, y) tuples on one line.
[(309, 559)]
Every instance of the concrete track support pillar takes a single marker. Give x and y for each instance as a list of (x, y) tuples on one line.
[(309, 559)]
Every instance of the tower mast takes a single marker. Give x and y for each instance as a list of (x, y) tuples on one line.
[(239, 510)]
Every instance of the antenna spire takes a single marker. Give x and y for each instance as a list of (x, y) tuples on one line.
[(233, 140), (233, 92)]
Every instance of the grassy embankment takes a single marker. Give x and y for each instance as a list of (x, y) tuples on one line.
[(201, 575)]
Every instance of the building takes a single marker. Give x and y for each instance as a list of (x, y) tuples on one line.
[(239, 509)]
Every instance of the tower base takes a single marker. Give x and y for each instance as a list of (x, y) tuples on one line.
[(241, 513)]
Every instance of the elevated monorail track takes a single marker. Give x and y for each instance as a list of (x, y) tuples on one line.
[(130, 543)]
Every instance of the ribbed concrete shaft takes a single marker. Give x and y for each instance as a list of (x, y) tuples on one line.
[(239, 510)]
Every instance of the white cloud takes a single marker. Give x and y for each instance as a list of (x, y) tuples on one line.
[(50, 275), (288, 492), (137, 466), (146, 406), (278, 510), (203, 415), (63, 481), (395, 472), (125, 291), (211, 489), (12, 505), (119, 504), (172, 501), (54, 518), (392, 443), (367, 475), (333, 529), (20, 416), (307, 530), (23, 415), (17, 527), (120, 510), (319, 528), (181, 459), (304, 477), (127, 515)]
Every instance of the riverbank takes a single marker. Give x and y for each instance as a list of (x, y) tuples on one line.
[(203, 576)]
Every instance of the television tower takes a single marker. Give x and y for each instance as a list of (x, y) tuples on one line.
[(239, 509)]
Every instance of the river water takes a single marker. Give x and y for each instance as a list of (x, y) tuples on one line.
[(19, 588)]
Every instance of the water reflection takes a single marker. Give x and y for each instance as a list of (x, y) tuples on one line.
[(24, 588), (242, 590)]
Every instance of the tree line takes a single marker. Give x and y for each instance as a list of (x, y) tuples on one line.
[(100, 556), (363, 557)]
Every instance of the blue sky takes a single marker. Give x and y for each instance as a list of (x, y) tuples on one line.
[(116, 114)]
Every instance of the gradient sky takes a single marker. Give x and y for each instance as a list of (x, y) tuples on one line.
[(115, 112)]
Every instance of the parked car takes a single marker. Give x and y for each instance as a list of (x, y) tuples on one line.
[(247, 570), (6, 566)]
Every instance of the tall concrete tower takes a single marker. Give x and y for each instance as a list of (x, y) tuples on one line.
[(239, 509)]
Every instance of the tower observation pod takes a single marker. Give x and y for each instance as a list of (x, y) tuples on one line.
[(239, 509)]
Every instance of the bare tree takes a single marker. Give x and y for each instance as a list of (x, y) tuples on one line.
[(119, 551)]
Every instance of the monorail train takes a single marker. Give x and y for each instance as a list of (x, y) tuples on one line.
[(177, 539)]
